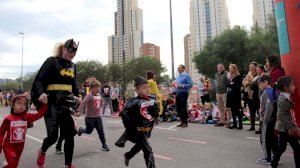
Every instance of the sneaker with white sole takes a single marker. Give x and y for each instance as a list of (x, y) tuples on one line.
[(263, 161)]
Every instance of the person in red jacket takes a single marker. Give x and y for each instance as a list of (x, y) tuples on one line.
[(14, 127), (274, 68)]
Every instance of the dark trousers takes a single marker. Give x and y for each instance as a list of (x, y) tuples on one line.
[(55, 119), (283, 139), (115, 104), (59, 141), (181, 106), (142, 144), (237, 113), (253, 108), (96, 123), (205, 99), (271, 140)]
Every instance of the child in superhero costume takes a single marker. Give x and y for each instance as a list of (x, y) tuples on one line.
[(57, 79), (14, 127), (138, 118)]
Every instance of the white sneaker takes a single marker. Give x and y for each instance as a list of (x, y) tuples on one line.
[(263, 161)]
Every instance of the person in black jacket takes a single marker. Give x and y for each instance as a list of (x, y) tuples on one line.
[(138, 118), (234, 95), (56, 78)]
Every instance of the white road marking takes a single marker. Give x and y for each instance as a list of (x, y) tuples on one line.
[(34, 138), (187, 140), (114, 122), (252, 138), (166, 128), (174, 126)]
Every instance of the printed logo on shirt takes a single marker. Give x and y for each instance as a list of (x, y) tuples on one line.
[(18, 131), (144, 109), (67, 72), (97, 102)]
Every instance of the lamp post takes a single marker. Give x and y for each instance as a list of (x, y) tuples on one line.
[(172, 49), (22, 60)]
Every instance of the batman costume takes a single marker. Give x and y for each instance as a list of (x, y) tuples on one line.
[(56, 78), (138, 119)]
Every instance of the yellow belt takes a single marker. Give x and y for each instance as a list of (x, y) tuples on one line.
[(59, 87)]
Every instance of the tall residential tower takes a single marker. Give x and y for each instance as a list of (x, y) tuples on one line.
[(208, 18), (128, 38), (262, 9)]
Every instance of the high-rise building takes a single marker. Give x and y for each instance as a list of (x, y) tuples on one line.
[(262, 9), (128, 38), (151, 50), (208, 18)]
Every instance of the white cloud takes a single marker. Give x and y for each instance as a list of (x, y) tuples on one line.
[(46, 23)]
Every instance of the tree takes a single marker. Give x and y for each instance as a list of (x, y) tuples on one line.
[(86, 69), (239, 47), (227, 48), (28, 80), (139, 67), (262, 42), (9, 85), (114, 72)]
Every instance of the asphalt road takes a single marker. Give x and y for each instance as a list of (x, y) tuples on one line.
[(198, 146)]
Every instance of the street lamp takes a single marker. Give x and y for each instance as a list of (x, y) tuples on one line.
[(172, 49), (22, 60)]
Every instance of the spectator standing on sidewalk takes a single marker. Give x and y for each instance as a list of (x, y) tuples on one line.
[(221, 92), (274, 68), (105, 93), (182, 84), (234, 96), (114, 95), (251, 88)]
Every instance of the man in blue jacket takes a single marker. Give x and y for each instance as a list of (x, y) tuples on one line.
[(182, 85)]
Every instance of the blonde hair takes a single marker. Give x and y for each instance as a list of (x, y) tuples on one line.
[(94, 83), (58, 50), (235, 69)]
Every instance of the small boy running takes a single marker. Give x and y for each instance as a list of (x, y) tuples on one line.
[(138, 118), (91, 105)]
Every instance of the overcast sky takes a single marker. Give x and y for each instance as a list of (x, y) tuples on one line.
[(46, 23)]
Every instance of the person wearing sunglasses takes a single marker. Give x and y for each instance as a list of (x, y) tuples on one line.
[(57, 80)]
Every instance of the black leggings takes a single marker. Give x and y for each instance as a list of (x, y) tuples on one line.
[(142, 144), (271, 140), (283, 139), (253, 107), (237, 113), (59, 141), (55, 119), (205, 99), (115, 104)]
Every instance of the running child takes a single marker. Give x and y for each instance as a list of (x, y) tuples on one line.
[(91, 105), (138, 118), (14, 127), (286, 123)]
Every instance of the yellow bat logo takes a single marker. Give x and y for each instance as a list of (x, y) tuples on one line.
[(67, 73)]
